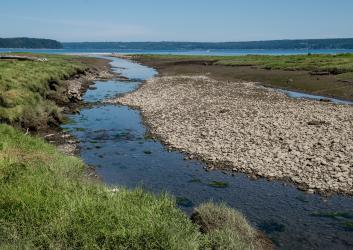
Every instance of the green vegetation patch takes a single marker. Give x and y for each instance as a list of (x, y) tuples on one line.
[(80, 129), (29, 90), (348, 225), (336, 64), (195, 180), (218, 184), (46, 203), (334, 215), (340, 64), (225, 228)]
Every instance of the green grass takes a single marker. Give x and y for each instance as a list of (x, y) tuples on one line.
[(334, 214), (47, 203), (218, 184), (29, 90), (225, 228), (348, 225), (45, 200), (340, 64)]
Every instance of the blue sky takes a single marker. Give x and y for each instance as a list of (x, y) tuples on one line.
[(178, 20)]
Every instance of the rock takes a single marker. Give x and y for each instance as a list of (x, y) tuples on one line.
[(317, 123)]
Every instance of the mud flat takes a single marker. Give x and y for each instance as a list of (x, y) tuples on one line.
[(243, 127)]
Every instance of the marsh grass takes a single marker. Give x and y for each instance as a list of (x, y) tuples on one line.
[(30, 90), (340, 65), (225, 228), (46, 203)]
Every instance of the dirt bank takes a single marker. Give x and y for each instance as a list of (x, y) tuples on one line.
[(240, 126)]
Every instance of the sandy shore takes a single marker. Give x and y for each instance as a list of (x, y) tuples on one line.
[(243, 127)]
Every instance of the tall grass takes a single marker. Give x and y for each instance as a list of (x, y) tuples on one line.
[(46, 203), (29, 89), (225, 228)]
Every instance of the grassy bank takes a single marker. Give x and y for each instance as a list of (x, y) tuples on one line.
[(45, 202), (330, 75), (333, 64), (30, 90)]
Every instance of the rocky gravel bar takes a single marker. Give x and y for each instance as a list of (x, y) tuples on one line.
[(243, 127)]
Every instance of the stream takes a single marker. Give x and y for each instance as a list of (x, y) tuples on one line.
[(113, 139)]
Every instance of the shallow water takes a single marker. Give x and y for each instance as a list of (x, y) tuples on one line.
[(113, 139), (294, 94)]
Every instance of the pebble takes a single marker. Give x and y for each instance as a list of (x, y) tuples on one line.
[(255, 130)]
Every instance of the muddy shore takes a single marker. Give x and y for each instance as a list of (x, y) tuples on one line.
[(242, 127)]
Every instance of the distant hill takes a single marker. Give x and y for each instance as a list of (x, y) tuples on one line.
[(339, 43), (29, 43)]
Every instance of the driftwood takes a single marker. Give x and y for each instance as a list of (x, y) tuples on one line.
[(24, 58)]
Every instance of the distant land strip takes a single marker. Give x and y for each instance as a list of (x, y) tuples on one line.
[(29, 43), (36, 43), (337, 43)]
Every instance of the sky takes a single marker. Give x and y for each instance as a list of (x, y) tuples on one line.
[(177, 20)]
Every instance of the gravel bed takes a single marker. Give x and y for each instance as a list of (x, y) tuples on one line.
[(243, 127)]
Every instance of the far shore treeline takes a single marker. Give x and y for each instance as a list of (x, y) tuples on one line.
[(34, 43), (29, 43), (339, 43)]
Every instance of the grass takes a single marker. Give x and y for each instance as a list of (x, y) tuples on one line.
[(340, 64), (225, 228), (336, 64), (218, 184), (324, 75), (47, 203), (29, 90)]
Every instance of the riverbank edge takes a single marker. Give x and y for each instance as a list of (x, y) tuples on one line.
[(57, 139), (69, 145), (78, 85), (219, 165)]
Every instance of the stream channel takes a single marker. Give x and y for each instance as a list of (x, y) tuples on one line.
[(113, 139)]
